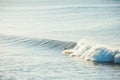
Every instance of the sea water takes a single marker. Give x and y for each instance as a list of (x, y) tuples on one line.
[(33, 34)]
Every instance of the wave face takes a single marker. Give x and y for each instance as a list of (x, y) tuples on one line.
[(97, 53), (36, 43)]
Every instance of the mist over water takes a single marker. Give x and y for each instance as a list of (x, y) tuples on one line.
[(33, 33)]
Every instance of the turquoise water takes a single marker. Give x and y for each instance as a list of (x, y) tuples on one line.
[(21, 21)]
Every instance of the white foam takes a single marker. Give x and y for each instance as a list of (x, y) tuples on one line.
[(95, 52), (117, 57)]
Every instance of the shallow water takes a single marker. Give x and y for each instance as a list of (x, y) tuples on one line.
[(43, 28), (19, 60)]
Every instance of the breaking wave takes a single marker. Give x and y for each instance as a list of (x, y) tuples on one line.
[(94, 52), (81, 49)]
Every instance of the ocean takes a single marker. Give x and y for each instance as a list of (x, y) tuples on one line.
[(34, 34)]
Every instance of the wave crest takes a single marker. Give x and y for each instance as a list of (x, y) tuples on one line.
[(36, 43), (97, 53)]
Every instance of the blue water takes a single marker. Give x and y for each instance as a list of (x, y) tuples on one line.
[(33, 34)]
